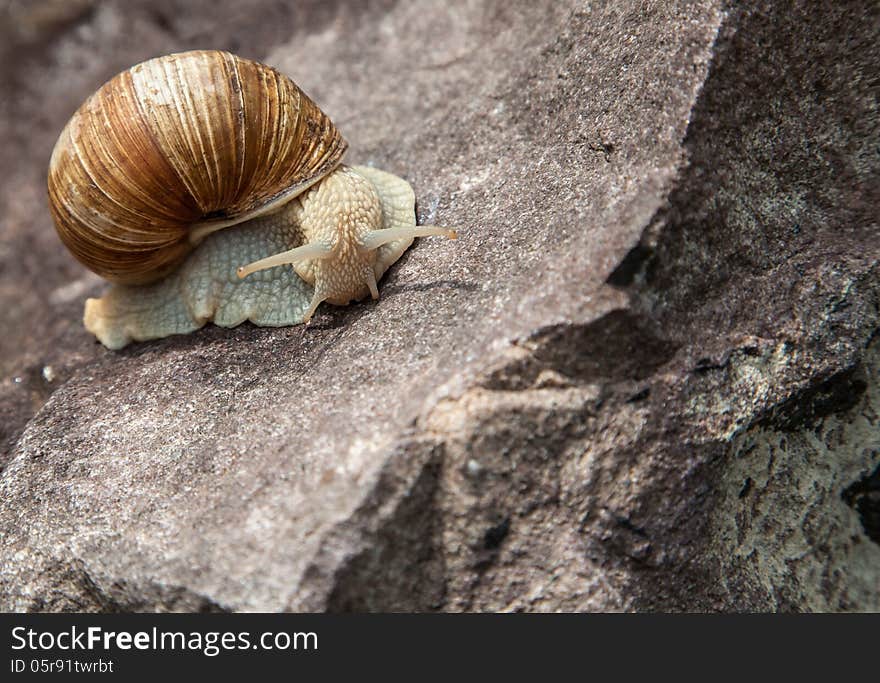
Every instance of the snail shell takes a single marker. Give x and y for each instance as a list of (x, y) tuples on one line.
[(175, 147)]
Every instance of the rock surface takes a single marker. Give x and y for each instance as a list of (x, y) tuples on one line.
[(644, 378)]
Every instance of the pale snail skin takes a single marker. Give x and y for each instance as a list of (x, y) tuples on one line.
[(352, 226), (181, 143)]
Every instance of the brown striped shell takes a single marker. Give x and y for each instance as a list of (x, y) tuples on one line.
[(178, 142)]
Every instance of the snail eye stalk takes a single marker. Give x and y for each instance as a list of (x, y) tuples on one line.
[(377, 238), (306, 252)]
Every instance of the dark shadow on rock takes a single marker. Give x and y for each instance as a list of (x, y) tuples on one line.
[(864, 497), (402, 569), (620, 346)]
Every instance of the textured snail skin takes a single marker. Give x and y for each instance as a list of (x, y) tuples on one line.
[(350, 207)]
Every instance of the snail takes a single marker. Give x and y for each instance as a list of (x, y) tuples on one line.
[(193, 181)]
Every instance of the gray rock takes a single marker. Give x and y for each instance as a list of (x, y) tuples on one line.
[(644, 378)]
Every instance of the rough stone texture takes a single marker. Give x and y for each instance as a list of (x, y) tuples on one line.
[(645, 378)]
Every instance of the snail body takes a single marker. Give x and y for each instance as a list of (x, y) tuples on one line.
[(184, 176)]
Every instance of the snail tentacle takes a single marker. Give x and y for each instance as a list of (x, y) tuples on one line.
[(371, 283), (376, 238), (306, 252)]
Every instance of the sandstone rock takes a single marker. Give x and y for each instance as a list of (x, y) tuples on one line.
[(644, 378)]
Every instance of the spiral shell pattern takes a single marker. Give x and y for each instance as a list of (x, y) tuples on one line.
[(180, 141)]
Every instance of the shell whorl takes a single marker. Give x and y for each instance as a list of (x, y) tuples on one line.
[(175, 142)]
